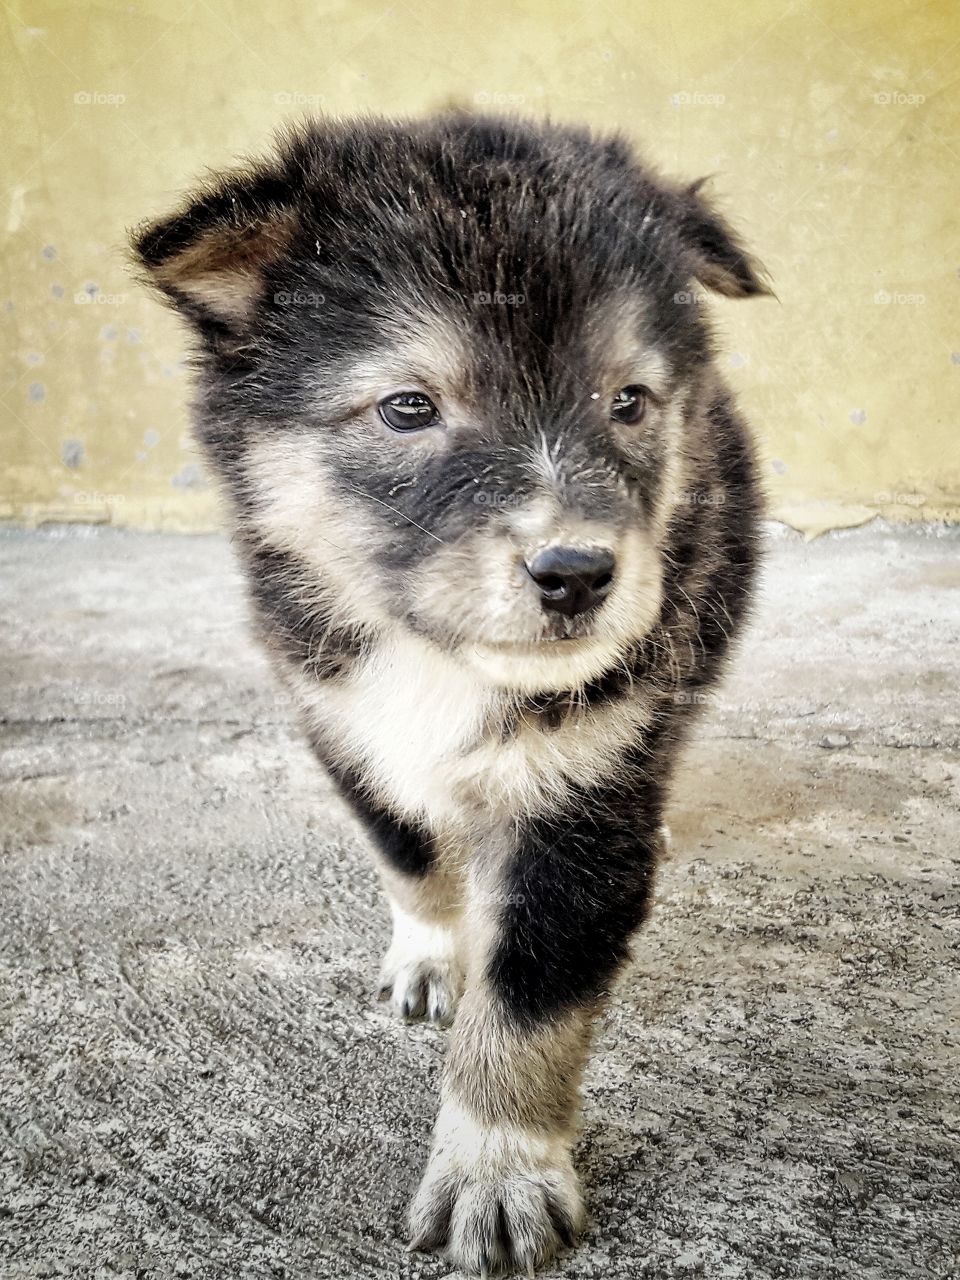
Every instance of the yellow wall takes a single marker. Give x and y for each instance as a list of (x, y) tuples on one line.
[(832, 128)]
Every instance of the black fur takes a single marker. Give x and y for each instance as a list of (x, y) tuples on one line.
[(405, 845), (577, 887), (299, 627)]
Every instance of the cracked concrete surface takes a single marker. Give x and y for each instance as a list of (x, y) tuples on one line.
[(196, 1081)]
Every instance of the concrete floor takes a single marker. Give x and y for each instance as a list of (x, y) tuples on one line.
[(195, 1080)]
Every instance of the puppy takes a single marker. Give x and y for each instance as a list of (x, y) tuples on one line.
[(498, 517)]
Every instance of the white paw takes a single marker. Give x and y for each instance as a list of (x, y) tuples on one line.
[(421, 975), (498, 1199)]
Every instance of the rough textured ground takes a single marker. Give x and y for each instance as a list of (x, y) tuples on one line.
[(195, 1080)]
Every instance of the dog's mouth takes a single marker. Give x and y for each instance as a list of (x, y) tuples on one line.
[(552, 633), (545, 647), (544, 665)]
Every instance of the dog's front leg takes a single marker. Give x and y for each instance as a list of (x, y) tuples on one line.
[(500, 1191), (422, 972)]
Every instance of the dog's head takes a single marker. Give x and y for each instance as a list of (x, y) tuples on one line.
[(451, 366)]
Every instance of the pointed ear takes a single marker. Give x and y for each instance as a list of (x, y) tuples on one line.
[(211, 258), (719, 260)]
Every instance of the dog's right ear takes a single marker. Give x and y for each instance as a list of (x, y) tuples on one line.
[(717, 257), (211, 258)]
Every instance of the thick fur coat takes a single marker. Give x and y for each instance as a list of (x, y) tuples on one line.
[(498, 516)]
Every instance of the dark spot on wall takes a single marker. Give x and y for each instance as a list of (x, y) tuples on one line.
[(72, 453), (189, 477)]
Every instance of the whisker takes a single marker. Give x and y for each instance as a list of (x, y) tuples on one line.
[(403, 516)]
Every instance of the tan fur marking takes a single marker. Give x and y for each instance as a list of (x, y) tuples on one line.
[(437, 898), (223, 270), (527, 1079)]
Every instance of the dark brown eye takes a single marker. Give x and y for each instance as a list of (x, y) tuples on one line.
[(629, 405), (408, 411)]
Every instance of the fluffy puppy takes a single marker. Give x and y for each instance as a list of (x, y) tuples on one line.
[(498, 517)]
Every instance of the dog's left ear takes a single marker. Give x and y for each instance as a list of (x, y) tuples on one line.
[(718, 259), (212, 257)]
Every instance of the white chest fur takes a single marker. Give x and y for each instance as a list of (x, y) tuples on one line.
[(425, 731)]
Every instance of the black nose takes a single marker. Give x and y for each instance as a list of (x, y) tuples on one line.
[(572, 579)]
